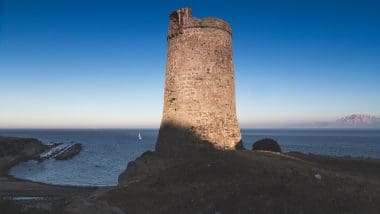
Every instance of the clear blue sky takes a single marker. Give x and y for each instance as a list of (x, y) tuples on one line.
[(101, 63)]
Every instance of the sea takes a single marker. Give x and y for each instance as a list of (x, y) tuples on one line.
[(106, 153)]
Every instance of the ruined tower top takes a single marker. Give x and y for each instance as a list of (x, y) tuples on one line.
[(182, 19)]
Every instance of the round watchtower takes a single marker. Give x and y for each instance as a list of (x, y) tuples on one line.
[(199, 100)]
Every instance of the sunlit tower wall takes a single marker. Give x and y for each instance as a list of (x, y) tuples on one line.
[(199, 100)]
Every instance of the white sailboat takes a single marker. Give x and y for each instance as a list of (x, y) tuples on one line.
[(139, 137)]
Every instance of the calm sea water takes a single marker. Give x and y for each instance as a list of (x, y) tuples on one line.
[(106, 153)]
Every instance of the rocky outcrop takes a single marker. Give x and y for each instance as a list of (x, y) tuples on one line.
[(152, 163), (266, 144), (11, 146), (146, 165), (69, 152), (14, 150)]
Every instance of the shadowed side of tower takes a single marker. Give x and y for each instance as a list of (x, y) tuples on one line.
[(199, 100)]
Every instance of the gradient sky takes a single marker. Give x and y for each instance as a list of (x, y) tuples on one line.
[(101, 63)]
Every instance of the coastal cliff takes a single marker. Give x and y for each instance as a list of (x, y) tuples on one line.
[(14, 150)]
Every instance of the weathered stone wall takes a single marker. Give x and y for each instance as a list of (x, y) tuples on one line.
[(199, 102)]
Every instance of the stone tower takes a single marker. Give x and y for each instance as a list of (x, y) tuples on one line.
[(199, 101)]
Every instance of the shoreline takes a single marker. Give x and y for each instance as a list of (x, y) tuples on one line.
[(13, 151)]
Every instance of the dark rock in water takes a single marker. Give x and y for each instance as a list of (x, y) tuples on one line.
[(69, 152), (266, 144), (51, 151)]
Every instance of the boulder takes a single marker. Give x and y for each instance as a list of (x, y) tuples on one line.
[(266, 144)]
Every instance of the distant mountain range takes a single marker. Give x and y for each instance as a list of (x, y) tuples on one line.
[(351, 121), (360, 121), (355, 120)]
